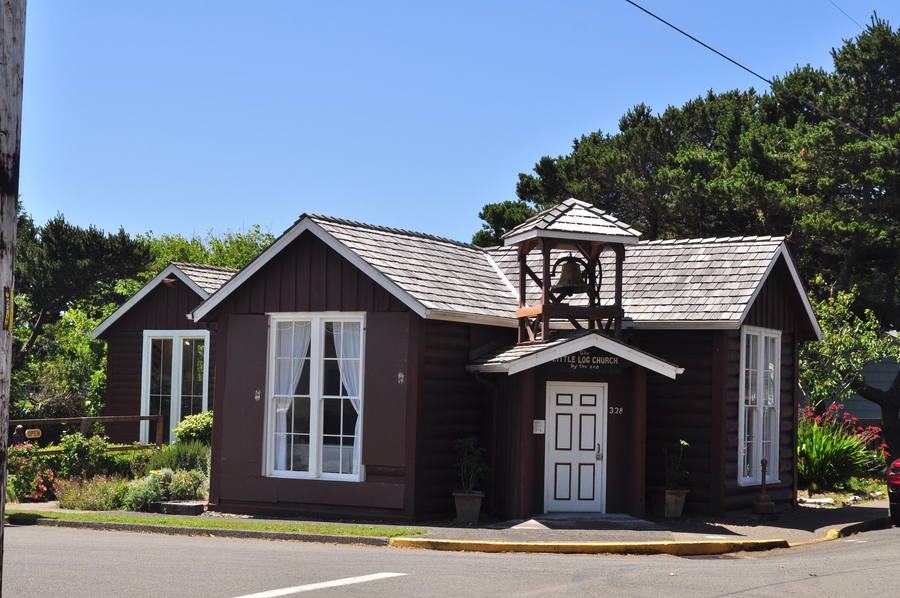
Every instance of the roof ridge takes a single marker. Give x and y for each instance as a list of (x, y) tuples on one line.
[(740, 239), (389, 229)]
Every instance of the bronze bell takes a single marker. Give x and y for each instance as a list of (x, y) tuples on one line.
[(571, 280)]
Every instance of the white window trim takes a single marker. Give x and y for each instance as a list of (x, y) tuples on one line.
[(175, 406), (772, 471), (317, 341)]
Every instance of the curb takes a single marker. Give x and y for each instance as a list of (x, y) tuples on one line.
[(195, 531), (672, 548), (700, 548), (849, 530)]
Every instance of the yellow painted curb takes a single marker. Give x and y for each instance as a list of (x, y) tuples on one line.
[(832, 534), (673, 548)]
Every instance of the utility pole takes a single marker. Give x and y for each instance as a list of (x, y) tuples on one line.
[(12, 61)]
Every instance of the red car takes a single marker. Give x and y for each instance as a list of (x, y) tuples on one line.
[(894, 491)]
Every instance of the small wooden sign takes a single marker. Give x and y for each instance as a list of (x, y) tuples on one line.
[(33, 433), (588, 360), (7, 308)]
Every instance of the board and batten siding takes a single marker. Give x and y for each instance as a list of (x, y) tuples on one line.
[(164, 308), (308, 276)]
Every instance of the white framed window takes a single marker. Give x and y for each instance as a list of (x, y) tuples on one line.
[(174, 378), (315, 395), (758, 416)]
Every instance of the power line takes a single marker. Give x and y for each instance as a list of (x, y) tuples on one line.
[(771, 83), (846, 15)]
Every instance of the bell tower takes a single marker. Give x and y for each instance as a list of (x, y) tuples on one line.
[(566, 244)]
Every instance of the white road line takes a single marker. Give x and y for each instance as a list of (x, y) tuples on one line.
[(322, 585)]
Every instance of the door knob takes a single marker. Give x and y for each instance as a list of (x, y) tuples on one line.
[(599, 454)]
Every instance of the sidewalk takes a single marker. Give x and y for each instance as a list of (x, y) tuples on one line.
[(601, 534), (622, 534)]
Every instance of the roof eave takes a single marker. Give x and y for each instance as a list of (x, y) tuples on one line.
[(574, 236), (307, 224), (143, 292), (798, 284), (567, 348)]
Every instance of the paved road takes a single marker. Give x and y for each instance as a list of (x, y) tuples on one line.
[(81, 563)]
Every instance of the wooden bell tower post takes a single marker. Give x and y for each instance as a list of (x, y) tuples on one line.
[(574, 235)]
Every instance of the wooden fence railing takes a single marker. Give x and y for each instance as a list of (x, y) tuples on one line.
[(86, 421)]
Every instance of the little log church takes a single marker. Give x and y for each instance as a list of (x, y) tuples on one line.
[(345, 360)]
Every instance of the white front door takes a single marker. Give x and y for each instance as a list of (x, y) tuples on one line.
[(575, 471)]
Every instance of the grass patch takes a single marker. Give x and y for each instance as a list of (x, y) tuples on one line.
[(331, 529)]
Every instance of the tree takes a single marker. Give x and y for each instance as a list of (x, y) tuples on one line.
[(740, 163), (12, 60), (499, 219), (60, 263), (833, 367), (227, 250)]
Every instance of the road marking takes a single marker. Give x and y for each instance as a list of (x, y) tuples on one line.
[(322, 585)]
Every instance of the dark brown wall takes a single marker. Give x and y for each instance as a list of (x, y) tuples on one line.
[(309, 276), (681, 409), (778, 306), (452, 406), (519, 453), (164, 308)]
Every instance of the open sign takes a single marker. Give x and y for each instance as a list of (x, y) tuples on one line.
[(33, 433)]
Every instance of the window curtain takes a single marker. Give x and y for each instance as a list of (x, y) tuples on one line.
[(288, 386), (347, 346)]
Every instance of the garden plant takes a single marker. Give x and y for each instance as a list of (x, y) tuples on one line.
[(834, 450)]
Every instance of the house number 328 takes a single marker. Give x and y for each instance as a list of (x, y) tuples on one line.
[(616, 410)]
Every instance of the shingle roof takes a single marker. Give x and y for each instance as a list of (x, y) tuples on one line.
[(573, 216), (699, 281), (208, 278), (440, 274), (677, 281)]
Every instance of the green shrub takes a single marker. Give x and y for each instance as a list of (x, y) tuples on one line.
[(30, 473), (188, 485), (195, 427), (139, 461), (140, 493), (81, 457), (100, 493), (10, 492), (832, 451), (181, 455), (164, 476)]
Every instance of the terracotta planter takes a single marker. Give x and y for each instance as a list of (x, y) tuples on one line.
[(468, 505), (668, 503)]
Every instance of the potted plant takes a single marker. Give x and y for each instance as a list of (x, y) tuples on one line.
[(668, 501), (472, 470)]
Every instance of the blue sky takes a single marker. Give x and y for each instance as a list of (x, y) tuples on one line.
[(180, 117)]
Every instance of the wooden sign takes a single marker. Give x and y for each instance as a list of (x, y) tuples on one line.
[(7, 308), (590, 360), (33, 433)]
